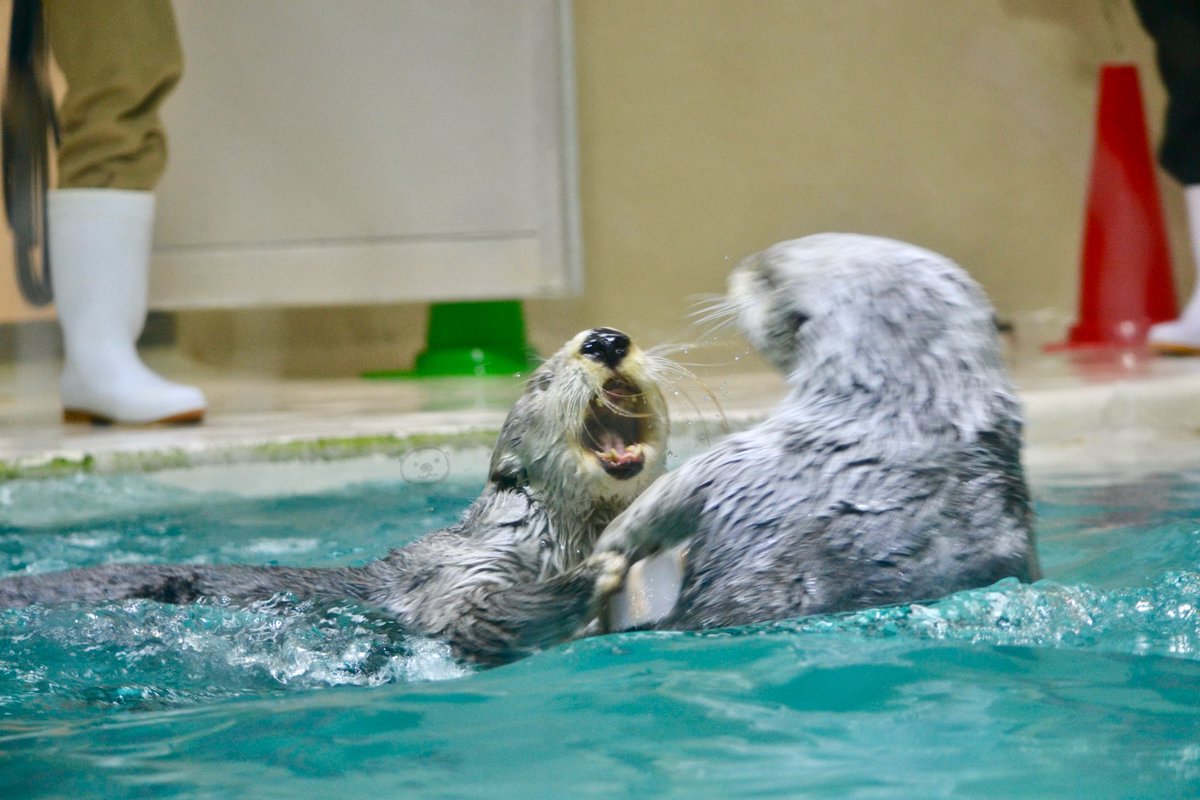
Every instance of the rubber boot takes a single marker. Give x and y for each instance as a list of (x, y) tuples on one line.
[(100, 255), (1182, 336)]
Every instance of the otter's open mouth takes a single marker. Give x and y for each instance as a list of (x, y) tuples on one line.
[(615, 428)]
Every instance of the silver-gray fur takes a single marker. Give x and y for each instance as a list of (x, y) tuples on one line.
[(891, 471), (585, 438)]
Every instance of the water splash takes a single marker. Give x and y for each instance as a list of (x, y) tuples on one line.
[(1161, 619), (139, 654)]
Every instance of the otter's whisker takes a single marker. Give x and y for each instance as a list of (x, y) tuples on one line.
[(717, 308), (622, 411), (724, 315), (706, 298), (712, 303), (663, 350), (694, 416), (673, 370), (709, 305)]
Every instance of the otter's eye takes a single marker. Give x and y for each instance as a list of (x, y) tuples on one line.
[(796, 319)]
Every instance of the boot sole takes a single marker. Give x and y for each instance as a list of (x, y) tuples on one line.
[(75, 415), (1166, 349)]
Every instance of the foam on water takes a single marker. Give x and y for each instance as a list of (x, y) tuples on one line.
[(138, 654), (1159, 619)]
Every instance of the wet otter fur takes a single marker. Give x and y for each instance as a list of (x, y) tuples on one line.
[(890, 473), (584, 439)]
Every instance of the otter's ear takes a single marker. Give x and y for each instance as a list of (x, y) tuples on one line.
[(507, 472)]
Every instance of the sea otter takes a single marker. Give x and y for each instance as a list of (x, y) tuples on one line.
[(890, 473), (584, 439)]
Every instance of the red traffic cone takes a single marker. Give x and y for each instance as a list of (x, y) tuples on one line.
[(1126, 284)]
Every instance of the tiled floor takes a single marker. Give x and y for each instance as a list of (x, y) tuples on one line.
[(1081, 411)]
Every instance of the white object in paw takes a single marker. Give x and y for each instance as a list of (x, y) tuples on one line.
[(651, 590)]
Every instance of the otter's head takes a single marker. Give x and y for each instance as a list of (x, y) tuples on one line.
[(589, 433), (860, 316)]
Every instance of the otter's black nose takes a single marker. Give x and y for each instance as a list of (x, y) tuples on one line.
[(605, 345)]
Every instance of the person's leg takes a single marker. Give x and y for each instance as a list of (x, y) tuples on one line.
[(121, 58), (1182, 336), (1175, 28)]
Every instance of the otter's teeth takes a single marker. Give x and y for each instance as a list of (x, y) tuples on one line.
[(622, 454)]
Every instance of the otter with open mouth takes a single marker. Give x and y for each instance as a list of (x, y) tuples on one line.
[(586, 437), (615, 429)]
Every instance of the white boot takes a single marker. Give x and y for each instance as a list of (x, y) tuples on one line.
[(1182, 336), (100, 259)]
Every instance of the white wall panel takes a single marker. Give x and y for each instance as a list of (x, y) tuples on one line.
[(358, 151)]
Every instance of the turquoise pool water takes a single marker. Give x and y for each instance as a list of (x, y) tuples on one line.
[(1085, 685)]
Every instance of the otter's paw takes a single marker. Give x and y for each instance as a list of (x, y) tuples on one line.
[(610, 568)]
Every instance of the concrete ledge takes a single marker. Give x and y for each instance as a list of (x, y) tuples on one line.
[(1082, 417)]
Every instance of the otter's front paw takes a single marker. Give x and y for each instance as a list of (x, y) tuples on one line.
[(610, 568)]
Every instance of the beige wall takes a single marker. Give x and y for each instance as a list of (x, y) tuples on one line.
[(712, 128)]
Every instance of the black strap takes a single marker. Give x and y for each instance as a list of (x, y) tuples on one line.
[(27, 121)]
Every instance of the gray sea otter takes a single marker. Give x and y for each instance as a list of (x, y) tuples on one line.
[(585, 438), (890, 473)]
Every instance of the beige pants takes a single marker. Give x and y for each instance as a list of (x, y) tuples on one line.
[(121, 58)]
